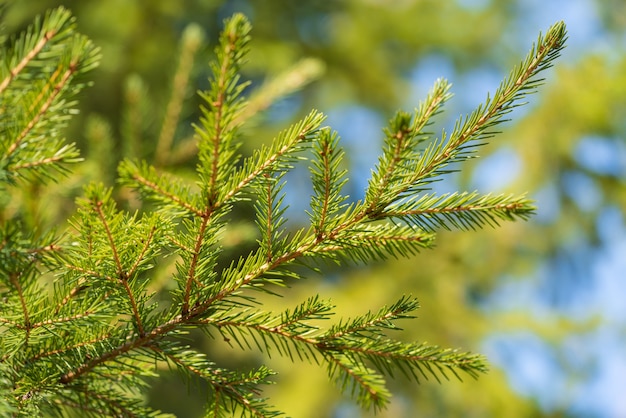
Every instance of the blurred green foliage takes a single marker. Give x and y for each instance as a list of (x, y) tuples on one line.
[(369, 49)]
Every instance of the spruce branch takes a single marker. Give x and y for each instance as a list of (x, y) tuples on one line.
[(471, 131), (270, 214), (175, 197), (28, 46), (237, 394), (233, 393), (37, 85), (289, 332), (460, 210), (217, 153), (89, 343), (328, 178), (277, 157), (362, 383), (394, 173)]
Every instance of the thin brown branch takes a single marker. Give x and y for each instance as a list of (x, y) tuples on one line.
[(134, 307), (172, 197), (43, 109), (82, 285), (401, 139), (191, 274), (27, 58), (62, 320), (68, 348), (146, 244), (116, 258), (492, 111), (176, 360), (219, 125), (263, 167), (361, 382), (326, 163), (503, 207), (270, 220), (15, 281), (33, 164), (45, 249), (122, 275), (131, 344)]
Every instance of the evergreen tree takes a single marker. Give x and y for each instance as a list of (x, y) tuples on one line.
[(84, 324)]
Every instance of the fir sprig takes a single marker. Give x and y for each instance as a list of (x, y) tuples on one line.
[(217, 150), (88, 343), (37, 87), (431, 212), (328, 178)]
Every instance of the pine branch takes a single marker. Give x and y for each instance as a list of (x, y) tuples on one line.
[(328, 179), (175, 197), (290, 332), (217, 152), (460, 210), (366, 242), (471, 131), (270, 211), (363, 383), (37, 85), (232, 392), (56, 24), (393, 176), (275, 158), (88, 344), (352, 346), (347, 347), (237, 394), (102, 402)]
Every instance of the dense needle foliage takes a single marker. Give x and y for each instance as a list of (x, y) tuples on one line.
[(80, 322)]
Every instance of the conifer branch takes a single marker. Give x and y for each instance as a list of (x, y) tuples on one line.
[(107, 356), (88, 344), (15, 281), (29, 45), (36, 84), (392, 178), (41, 111), (270, 212), (47, 322), (147, 241), (460, 210), (276, 157), (240, 391), (328, 179), (476, 127), (159, 186), (215, 134), (191, 275), (97, 208), (59, 157)]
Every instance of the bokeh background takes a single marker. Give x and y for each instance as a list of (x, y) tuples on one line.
[(544, 299)]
